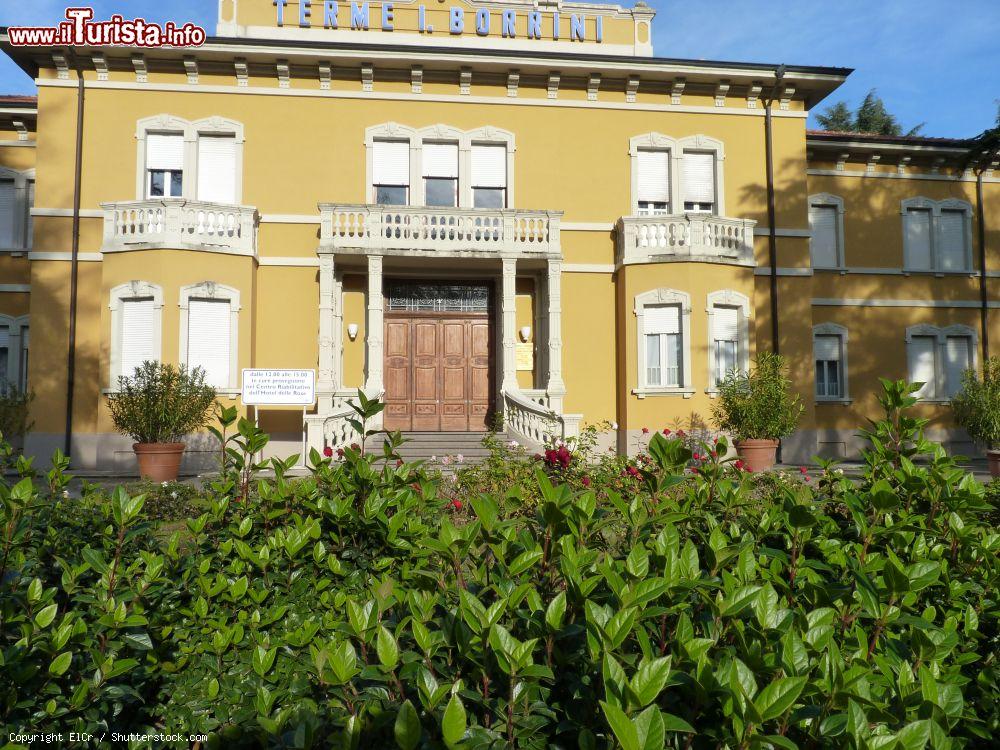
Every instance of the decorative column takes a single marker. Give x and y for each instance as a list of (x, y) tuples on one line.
[(509, 312), (373, 384), (330, 345), (555, 388)]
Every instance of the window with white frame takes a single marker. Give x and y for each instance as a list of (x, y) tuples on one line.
[(391, 173), (13, 353), (725, 341), (136, 314), (653, 183), (936, 235), (29, 225), (164, 165), (8, 214), (217, 167), (209, 326), (440, 167), (698, 182), (663, 319), (826, 231), (830, 358), (939, 358), (489, 175)]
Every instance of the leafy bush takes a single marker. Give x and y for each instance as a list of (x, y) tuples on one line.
[(160, 403), (977, 405), (759, 404), (14, 405), (360, 608)]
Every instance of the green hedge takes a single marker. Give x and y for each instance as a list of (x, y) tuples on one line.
[(362, 607)]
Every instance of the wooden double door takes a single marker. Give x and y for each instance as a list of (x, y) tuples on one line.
[(438, 371)]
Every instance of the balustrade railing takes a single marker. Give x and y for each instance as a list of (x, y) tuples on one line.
[(179, 223), (642, 239)]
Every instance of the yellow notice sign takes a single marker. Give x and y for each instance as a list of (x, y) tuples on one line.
[(525, 356)]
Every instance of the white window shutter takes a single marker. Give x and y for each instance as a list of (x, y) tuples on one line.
[(138, 317), (29, 222), (957, 359), (489, 166), (917, 228), (661, 319), (165, 151), (217, 168), (441, 160), (654, 177), (8, 205), (726, 324), (952, 243), (823, 229), (699, 178), (922, 369), (826, 348), (391, 163), (210, 339)]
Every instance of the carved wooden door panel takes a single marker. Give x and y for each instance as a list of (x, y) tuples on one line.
[(398, 414), (426, 335)]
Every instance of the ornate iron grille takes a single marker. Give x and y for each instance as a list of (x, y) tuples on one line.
[(407, 296)]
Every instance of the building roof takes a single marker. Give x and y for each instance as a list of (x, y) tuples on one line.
[(15, 100), (840, 136)]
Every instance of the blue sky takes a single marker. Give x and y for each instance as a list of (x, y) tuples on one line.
[(932, 62)]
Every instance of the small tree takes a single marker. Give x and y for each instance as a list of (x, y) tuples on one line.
[(160, 403), (759, 404), (871, 116), (977, 405)]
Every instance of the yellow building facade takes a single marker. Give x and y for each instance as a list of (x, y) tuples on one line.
[(476, 210)]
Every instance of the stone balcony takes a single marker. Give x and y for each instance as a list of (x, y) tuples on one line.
[(692, 237), (179, 224), (441, 232)]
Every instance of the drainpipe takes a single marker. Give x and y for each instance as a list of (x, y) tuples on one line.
[(772, 235), (74, 259), (983, 295)]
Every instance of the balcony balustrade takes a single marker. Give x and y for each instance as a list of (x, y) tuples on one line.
[(685, 237), (179, 224)]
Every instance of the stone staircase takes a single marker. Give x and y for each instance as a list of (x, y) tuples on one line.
[(422, 446)]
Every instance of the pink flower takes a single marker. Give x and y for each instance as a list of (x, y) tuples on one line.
[(459, 458), (446, 460), (328, 451), (585, 481)]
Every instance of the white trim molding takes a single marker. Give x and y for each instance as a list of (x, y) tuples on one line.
[(132, 290), (663, 296), (834, 329), (828, 200), (213, 291), (728, 298), (874, 302)]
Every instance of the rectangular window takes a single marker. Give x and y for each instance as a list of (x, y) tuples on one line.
[(137, 316), (4, 358), (952, 241), (662, 331), (957, 359), (391, 173), (217, 168), (8, 221), (823, 227), (209, 339), (923, 365), (699, 182), (827, 351), (653, 182), (440, 174), (917, 229), (164, 165), (489, 176), (725, 341), (29, 224)]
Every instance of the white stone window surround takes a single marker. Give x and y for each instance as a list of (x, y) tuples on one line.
[(439, 133), (834, 329), (677, 147), (191, 130), (133, 290), (941, 336), (728, 298), (16, 326), (935, 208), (213, 291), (827, 200), (663, 296), (22, 209)]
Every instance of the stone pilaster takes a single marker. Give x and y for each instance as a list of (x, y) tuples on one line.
[(555, 387), (330, 345), (509, 312), (373, 383)]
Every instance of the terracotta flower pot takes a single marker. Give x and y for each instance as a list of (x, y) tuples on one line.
[(159, 462), (758, 455), (993, 461)]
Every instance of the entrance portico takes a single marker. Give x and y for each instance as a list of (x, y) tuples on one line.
[(457, 248)]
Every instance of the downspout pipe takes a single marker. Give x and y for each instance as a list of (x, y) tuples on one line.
[(74, 258), (983, 293), (772, 233)]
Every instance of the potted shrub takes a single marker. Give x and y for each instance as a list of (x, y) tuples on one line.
[(757, 409), (157, 406), (977, 409)]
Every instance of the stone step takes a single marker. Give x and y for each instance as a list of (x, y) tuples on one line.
[(425, 446)]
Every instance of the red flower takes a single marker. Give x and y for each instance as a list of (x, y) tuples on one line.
[(645, 430), (340, 452), (739, 463), (681, 433), (355, 446), (808, 479), (715, 454), (399, 462), (328, 451), (456, 504), (538, 456), (697, 457), (747, 469), (586, 481), (666, 431), (802, 470)]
